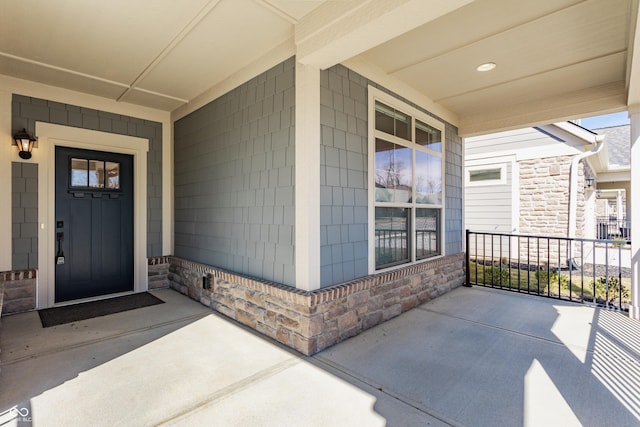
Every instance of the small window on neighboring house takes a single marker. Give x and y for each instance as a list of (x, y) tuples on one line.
[(407, 180), (486, 175)]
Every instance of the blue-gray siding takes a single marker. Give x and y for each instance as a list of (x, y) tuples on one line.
[(234, 179), (24, 216), (344, 169), (343, 176), (26, 111), (234, 169)]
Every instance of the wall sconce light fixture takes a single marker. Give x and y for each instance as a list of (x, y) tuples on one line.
[(25, 142), (589, 181)]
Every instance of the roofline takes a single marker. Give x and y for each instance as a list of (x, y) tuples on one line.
[(580, 132)]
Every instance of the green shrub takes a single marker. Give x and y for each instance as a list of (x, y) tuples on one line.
[(615, 288), (550, 278), (495, 276)]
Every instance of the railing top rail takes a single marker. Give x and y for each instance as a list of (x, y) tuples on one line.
[(532, 236)]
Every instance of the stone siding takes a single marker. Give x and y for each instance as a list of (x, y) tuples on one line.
[(158, 272), (312, 321), (19, 291), (544, 208)]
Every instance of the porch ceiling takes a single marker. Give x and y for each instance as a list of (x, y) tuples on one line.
[(556, 59)]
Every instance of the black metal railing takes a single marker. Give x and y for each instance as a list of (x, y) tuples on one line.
[(594, 271), (613, 228)]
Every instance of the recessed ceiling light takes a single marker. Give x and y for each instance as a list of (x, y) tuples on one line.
[(487, 66)]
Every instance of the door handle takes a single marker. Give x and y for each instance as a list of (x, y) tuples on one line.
[(60, 254)]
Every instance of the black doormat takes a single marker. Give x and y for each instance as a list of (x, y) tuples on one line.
[(88, 310)]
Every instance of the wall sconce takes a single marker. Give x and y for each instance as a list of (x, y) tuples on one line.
[(25, 142), (589, 181)]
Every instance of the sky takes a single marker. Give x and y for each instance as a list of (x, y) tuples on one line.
[(615, 119)]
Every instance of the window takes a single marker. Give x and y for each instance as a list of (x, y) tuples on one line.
[(406, 181), (95, 174), (494, 174)]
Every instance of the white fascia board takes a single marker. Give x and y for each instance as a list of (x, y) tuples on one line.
[(617, 176), (579, 132)]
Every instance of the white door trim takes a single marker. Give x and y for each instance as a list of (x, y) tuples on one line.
[(51, 135)]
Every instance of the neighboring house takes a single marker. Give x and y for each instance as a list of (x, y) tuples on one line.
[(520, 181), (614, 185), (533, 181)]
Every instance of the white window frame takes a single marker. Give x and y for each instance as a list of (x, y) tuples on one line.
[(374, 95), (501, 181)]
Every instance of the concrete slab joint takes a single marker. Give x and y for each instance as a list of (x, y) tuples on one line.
[(310, 321)]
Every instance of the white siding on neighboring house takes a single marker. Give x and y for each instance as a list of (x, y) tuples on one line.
[(529, 143), (493, 201), (489, 203)]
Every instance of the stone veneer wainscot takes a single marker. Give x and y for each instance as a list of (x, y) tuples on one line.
[(312, 321)]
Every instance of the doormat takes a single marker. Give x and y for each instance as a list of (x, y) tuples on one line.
[(88, 310)]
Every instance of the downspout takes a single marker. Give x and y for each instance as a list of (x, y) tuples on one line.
[(573, 183)]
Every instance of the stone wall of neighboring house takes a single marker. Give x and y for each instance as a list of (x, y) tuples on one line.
[(312, 321), (544, 207)]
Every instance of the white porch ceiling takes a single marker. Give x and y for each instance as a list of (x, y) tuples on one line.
[(556, 59)]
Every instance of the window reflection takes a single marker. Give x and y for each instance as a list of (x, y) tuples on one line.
[(95, 174), (79, 173), (392, 121), (113, 175), (427, 233), (428, 179), (428, 136), (393, 172), (391, 236)]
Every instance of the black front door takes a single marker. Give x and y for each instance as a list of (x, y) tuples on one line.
[(94, 223)]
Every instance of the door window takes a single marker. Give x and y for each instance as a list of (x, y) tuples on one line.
[(87, 173)]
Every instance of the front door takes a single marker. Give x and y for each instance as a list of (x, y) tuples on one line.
[(94, 223)]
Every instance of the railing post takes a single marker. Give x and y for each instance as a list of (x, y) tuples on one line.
[(468, 263)]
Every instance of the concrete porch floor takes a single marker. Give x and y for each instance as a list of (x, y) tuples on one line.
[(474, 357)]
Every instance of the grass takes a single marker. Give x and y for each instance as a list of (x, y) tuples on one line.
[(566, 285)]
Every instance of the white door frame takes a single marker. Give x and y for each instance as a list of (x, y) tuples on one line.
[(50, 136)]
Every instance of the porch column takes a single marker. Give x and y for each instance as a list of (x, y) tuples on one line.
[(634, 197), (7, 154), (307, 177)]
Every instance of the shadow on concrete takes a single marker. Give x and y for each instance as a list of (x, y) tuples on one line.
[(475, 356), (484, 358)]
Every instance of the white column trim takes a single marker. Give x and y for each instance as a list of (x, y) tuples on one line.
[(307, 177), (7, 154), (167, 188), (634, 197), (50, 136)]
